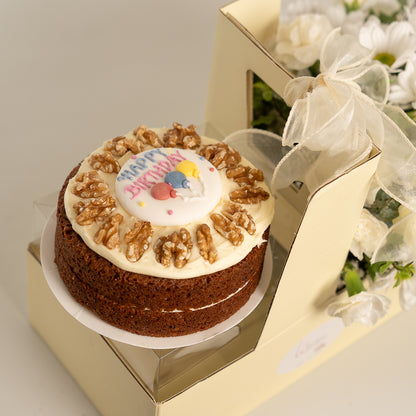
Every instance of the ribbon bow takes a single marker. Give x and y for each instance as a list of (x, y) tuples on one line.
[(335, 120), (337, 117)]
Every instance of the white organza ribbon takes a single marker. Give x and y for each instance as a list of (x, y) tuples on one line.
[(399, 243), (337, 117), (335, 120)]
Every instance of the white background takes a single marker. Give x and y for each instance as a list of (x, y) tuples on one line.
[(76, 73)]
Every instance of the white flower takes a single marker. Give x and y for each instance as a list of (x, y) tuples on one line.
[(411, 13), (372, 192), (383, 282), (299, 43), (364, 307), (359, 3), (335, 12), (407, 288), (403, 212), (387, 7), (408, 233), (293, 8), (393, 45), (368, 234), (403, 92), (353, 22), (407, 293)]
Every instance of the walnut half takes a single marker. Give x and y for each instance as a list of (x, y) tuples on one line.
[(108, 234), (240, 217), (228, 229), (104, 162), (176, 246), (233, 217), (138, 240), (147, 136), (221, 155), (89, 185), (94, 210), (181, 136), (120, 145), (249, 195), (205, 244), (245, 175)]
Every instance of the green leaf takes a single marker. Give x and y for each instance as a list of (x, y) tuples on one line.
[(384, 266), (400, 276), (385, 207), (268, 95), (373, 268), (270, 112), (386, 18), (403, 272), (372, 271), (315, 69), (266, 120), (352, 7), (352, 280), (411, 114)]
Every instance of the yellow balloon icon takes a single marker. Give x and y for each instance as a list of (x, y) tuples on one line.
[(188, 168)]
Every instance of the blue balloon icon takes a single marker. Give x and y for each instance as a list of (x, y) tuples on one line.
[(177, 179)]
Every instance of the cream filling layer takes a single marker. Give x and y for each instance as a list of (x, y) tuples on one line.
[(228, 254), (207, 306)]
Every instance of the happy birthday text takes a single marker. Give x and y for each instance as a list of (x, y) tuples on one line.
[(147, 170)]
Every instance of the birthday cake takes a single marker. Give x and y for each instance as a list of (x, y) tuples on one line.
[(162, 232)]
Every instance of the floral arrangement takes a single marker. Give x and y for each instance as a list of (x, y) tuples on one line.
[(380, 35)]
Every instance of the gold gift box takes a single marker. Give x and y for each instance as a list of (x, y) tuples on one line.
[(288, 334)]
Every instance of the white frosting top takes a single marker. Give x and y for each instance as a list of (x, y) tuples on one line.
[(168, 186), (228, 254)]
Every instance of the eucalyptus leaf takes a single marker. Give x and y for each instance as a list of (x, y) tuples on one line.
[(385, 207)]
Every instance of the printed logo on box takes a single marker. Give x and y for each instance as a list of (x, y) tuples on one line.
[(311, 345)]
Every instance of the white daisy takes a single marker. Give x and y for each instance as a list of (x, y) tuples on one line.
[(410, 11), (403, 91), (387, 7), (354, 3), (393, 44)]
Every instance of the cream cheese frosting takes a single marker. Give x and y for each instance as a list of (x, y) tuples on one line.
[(228, 254)]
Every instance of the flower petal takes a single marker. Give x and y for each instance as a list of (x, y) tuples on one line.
[(407, 293), (364, 307)]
